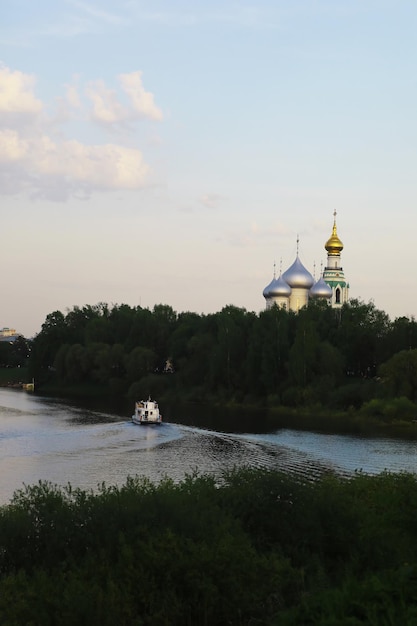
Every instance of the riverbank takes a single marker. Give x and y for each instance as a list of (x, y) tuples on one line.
[(14, 377), (341, 422), (253, 417)]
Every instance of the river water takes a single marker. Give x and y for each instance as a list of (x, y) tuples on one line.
[(48, 439)]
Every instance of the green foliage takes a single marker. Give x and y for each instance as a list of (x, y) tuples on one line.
[(319, 357), (10, 375), (14, 353), (259, 548), (352, 394), (388, 599), (152, 385), (139, 363), (362, 335), (399, 374), (391, 409)]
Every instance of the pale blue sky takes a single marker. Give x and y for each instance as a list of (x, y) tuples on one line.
[(171, 152)]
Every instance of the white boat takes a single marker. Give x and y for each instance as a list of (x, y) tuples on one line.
[(146, 412)]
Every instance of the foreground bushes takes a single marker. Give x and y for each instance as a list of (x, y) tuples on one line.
[(262, 548)]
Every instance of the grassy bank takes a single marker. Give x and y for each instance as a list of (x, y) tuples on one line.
[(261, 548)]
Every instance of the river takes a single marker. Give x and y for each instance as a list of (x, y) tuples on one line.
[(49, 439)]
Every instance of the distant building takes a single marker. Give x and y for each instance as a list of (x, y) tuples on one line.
[(8, 334), (293, 289)]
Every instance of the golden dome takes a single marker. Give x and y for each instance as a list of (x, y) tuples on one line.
[(334, 245)]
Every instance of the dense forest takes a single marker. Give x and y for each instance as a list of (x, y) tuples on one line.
[(350, 358), (259, 548)]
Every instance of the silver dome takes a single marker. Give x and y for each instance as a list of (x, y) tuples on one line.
[(280, 288), (267, 291), (321, 289), (298, 276)]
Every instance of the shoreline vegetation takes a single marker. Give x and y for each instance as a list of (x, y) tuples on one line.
[(260, 547), (350, 370), (345, 370), (353, 361), (316, 419)]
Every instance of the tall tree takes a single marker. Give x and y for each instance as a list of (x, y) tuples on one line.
[(360, 337)]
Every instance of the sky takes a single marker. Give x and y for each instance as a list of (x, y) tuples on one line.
[(171, 152)]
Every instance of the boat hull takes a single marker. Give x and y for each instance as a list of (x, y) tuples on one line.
[(142, 421), (146, 412)]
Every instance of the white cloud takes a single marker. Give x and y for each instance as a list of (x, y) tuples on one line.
[(71, 165), (16, 93), (142, 101), (12, 147), (101, 166), (36, 156), (107, 109)]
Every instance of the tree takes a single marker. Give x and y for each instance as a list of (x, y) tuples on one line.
[(141, 332), (267, 352), (46, 345), (303, 354), (14, 353), (402, 335), (164, 322), (121, 320), (6, 353), (399, 374), (188, 325), (78, 365), (228, 359), (139, 362), (360, 337)]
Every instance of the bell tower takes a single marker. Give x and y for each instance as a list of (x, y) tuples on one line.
[(333, 273)]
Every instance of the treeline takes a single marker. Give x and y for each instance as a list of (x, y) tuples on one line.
[(348, 358), (261, 548), (14, 353)]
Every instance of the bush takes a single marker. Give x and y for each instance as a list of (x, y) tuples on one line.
[(392, 409), (259, 548)]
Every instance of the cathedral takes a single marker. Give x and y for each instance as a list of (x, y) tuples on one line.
[(293, 289)]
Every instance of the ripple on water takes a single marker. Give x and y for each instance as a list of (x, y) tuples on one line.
[(216, 453), (60, 443)]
